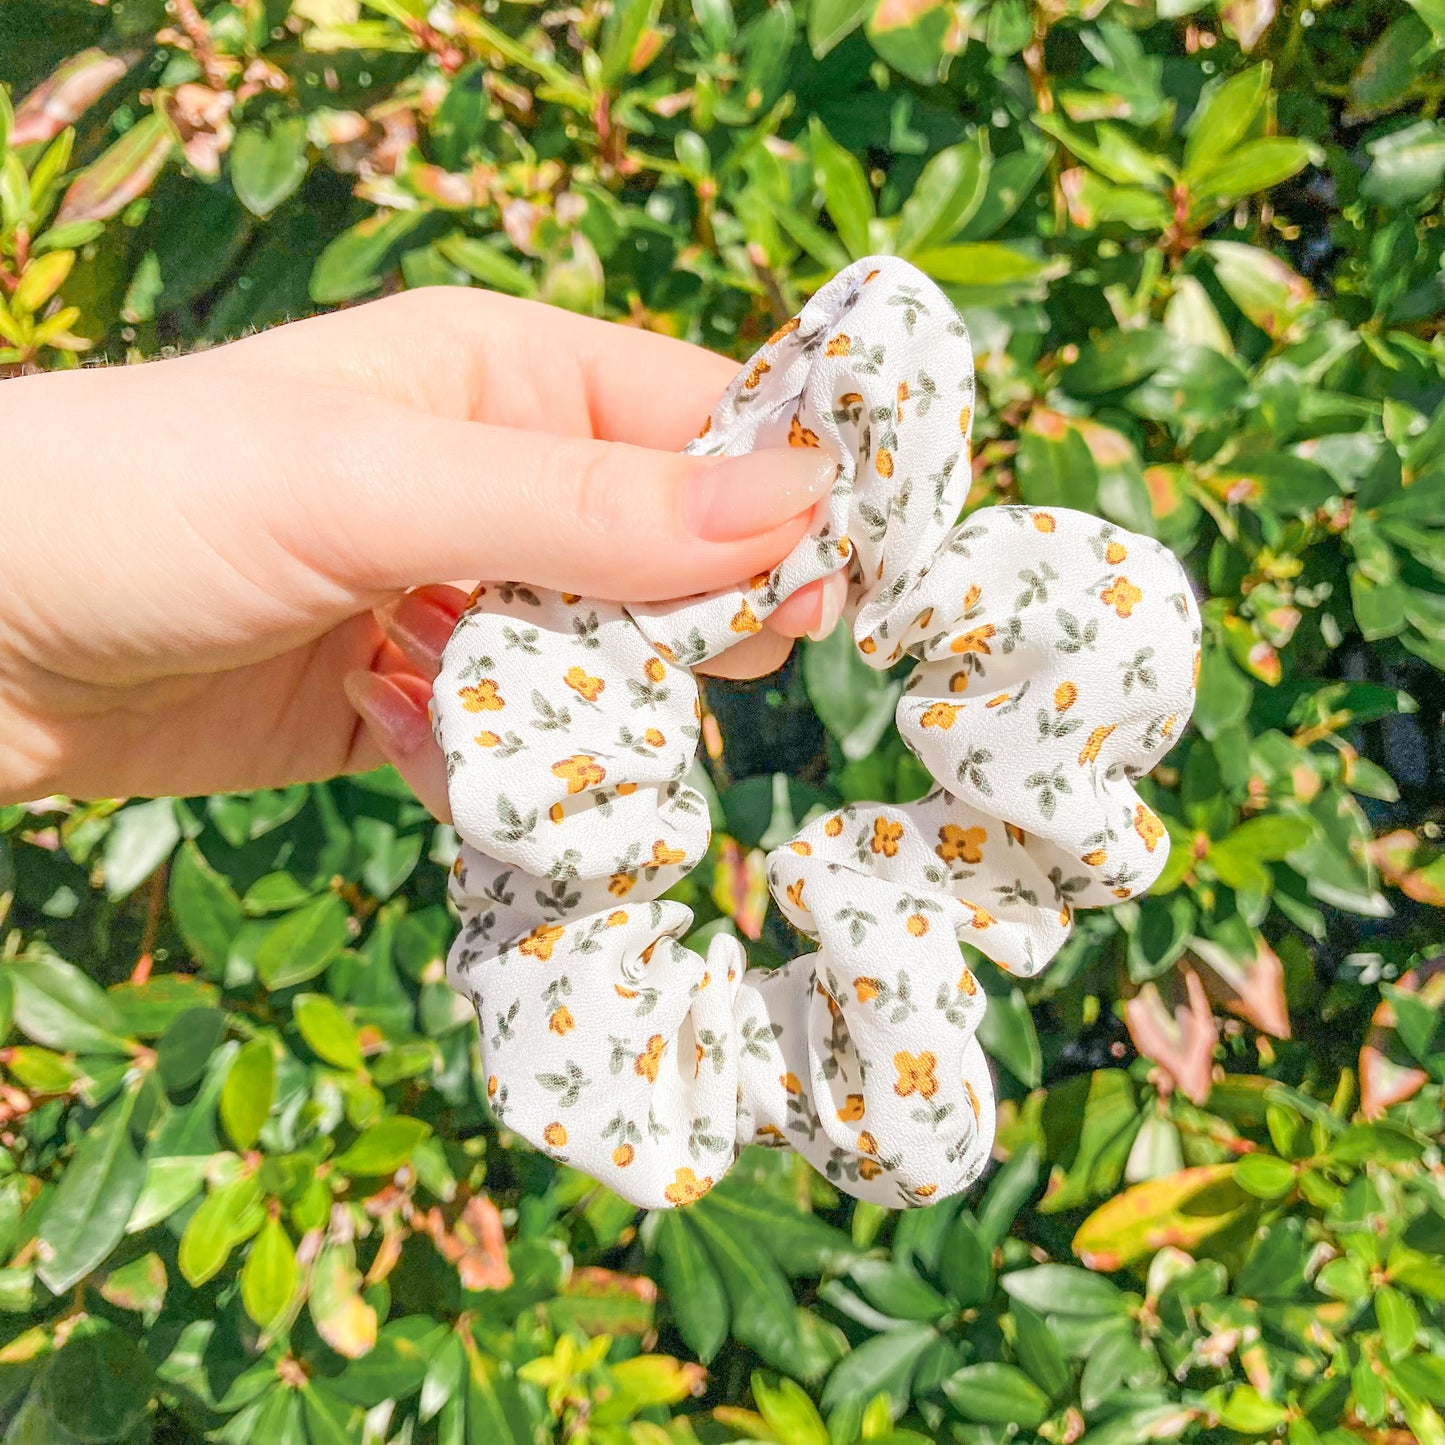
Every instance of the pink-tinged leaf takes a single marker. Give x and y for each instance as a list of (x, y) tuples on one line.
[(1251, 988), (66, 95), (1388, 1075), (120, 174), (740, 886), (1179, 1035), (899, 14), (1415, 868), (1180, 1210), (475, 1243), (1249, 19), (342, 1318)]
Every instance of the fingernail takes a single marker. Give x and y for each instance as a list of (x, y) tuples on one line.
[(419, 628), (398, 718), (835, 594), (739, 497)]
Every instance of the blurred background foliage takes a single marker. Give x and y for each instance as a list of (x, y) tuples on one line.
[(249, 1187)]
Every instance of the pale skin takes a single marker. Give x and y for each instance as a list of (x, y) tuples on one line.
[(237, 569)]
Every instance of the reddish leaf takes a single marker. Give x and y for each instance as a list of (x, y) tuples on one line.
[(1250, 988), (475, 1244), (120, 174), (1179, 1034), (66, 95), (1388, 1075), (1181, 1209)]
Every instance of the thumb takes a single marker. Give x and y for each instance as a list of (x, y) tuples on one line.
[(416, 499)]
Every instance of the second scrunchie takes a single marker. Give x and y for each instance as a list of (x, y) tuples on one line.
[(1056, 659)]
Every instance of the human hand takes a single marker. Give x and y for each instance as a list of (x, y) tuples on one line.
[(207, 560)]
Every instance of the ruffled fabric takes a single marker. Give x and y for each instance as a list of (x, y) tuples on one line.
[(1056, 657)]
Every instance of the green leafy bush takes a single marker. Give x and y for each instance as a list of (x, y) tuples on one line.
[(249, 1187)]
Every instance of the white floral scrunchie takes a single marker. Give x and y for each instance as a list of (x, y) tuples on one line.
[(1056, 659)]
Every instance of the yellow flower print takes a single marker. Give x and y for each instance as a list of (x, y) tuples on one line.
[(869, 1168), (852, 1109), (571, 597), (617, 918), (623, 1155), (850, 398), (486, 740), (758, 581), (997, 701), (802, 849), (589, 687), (555, 1135), (1198, 662), (1090, 750), (790, 1083), (869, 277), (1115, 553), (795, 893), (974, 640), (926, 1191), (886, 837), (540, 942), (653, 670), (645, 1064), (482, 697), (965, 419), (687, 1187), (628, 993), (561, 1021), (626, 790), (745, 621), (492, 1086), (1121, 594), (961, 845), (867, 1144), (663, 650), (1043, 521), (1065, 696), (1166, 728), (770, 1135), (786, 329), (884, 462), (971, 597), (868, 646), (972, 1100), (940, 715), (833, 826), (1095, 858), (556, 812), (866, 988), (620, 884), (653, 738), (580, 771), (801, 436), (982, 918), (840, 345), (662, 855), (759, 371), (915, 1074), (958, 682), (967, 983), (903, 395), (1148, 827), (916, 924)]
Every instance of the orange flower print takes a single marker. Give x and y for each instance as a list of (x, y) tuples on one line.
[(786, 329), (769, 1135), (1148, 827), (801, 436), (556, 812), (1065, 696), (867, 1144), (653, 738), (626, 790), (924, 617), (1015, 833), (833, 826), (482, 697), (623, 1155), (916, 924), (492, 1086), (1095, 858), (972, 1100), (939, 715), (758, 581), (617, 918), (1043, 521), (997, 701), (852, 1109), (926, 1191), (795, 893), (1115, 553), (915, 1074), (759, 371), (745, 621), (886, 837), (965, 419), (961, 845), (706, 428), (1090, 750), (866, 988), (967, 983), (561, 1021), (974, 640), (540, 942), (620, 884), (869, 277), (580, 771), (687, 1187), (868, 646), (1121, 594), (840, 345), (654, 670), (884, 462), (487, 740), (869, 1168), (662, 855), (903, 395), (791, 1084), (1198, 663), (802, 849), (645, 1064), (555, 1135), (589, 687), (570, 597), (958, 682), (982, 918)]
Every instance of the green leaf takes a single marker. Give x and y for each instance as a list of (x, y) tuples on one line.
[(789, 1412), (99, 1385), (58, 1006), (187, 1045), (141, 838), (1224, 116), (981, 263), (1066, 1290), (831, 21), (248, 1092), (694, 1290), (854, 701), (1268, 291), (1116, 361), (758, 1293), (1407, 166), (268, 162), (384, 1147), (996, 1394), (398, 1364), (329, 1034), (965, 1266), (342, 1317), (884, 1364), (1039, 1353), (1264, 1176), (488, 264), (897, 1291), (1258, 165), (228, 1216), (270, 1276), (946, 195), (87, 1215), (355, 261), (839, 175), (302, 943), (1182, 1209)]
